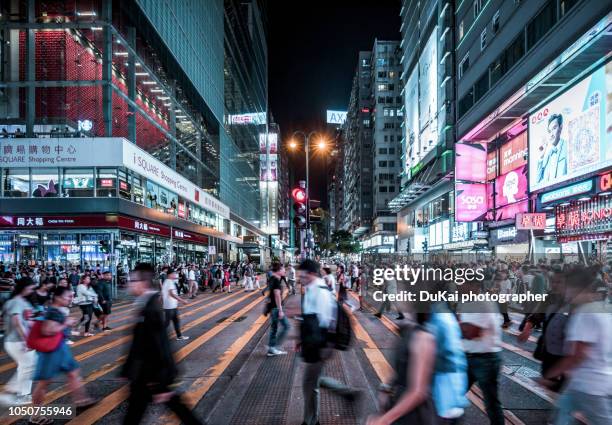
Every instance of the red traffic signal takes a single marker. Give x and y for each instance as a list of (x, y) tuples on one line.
[(298, 194)]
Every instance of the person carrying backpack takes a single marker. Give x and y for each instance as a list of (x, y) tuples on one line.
[(552, 315), (321, 315)]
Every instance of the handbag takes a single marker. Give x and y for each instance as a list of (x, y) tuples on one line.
[(313, 338), (36, 340)]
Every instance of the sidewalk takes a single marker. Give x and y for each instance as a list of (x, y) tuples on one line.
[(269, 389)]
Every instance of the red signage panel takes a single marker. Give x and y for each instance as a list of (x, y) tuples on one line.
[(530, 221)]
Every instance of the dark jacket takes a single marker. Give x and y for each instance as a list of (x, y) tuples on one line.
[(149, 361)]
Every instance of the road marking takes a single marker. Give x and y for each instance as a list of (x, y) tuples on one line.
[(113, 400), (376, 358), (126, 338), (202, 385), (517, 333), (472, 395), (476, 397), (64, 390), (521, 352)]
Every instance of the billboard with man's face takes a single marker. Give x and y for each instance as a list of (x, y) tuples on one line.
[(572, 135)]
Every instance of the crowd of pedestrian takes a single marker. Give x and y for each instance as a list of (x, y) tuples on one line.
[(446, 347)]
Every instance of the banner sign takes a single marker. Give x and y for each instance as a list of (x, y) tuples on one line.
[(530, 221)]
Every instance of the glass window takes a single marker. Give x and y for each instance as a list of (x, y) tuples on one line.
[(137, 189), (541, 24), (16, 182), (78, 183), (125, 188), (45, 183), (106, 182), (482, 86), (382, 189)]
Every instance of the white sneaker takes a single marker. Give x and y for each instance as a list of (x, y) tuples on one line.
[(22, 400), (273, 351), (182, 338), (69, 342)]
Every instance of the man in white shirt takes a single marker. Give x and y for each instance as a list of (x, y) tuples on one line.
[(291, 278), (481, 328), (588, 363), (170, 300), (191, 278), (318, 301)]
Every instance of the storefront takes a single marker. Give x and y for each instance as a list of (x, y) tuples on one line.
[(508, 243), (60, 196), (97, 239)]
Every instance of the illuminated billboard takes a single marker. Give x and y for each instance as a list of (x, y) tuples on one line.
[(336, 117), (513, 154), (470, 201), (511, 187), (411, 96), (257, 118), (470, 162), (571, 136), (428, 92)]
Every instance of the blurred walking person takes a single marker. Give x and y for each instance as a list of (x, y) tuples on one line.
[(17, 315), (588, 364), (48, 337), (86, 297), (481, 328), (291, 278), (319, 316), (149, 366), (170, 299), (277, 315)]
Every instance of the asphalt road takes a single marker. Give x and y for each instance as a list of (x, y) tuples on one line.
[(228, 380)]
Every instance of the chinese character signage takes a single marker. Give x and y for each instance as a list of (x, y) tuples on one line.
[(586, 218), (530, 221)]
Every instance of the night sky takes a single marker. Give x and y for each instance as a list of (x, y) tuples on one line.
[(313, 51)]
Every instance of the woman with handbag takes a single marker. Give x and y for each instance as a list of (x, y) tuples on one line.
[(54, 355), (86, 297)]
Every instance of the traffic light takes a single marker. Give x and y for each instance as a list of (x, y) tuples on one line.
[(425, 245), (300, 207)]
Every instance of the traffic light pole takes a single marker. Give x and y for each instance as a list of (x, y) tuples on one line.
[(307, 152)]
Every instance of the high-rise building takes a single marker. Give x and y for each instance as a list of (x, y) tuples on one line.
[(355, 179), (533, 102), (386, 114), (370, 149), (121, 133), (422, 203)]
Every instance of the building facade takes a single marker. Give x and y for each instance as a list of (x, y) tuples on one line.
[(355, 180), (116, 146), (422, 204), (386, 116), (533, 95)]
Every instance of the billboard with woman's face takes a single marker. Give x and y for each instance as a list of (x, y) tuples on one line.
[(571, 136), (511, 187)]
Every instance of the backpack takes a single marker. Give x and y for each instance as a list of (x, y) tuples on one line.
[(43, 343)]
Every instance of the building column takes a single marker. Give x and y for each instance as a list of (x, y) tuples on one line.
[(30, 70), (131, 85), (199, 155), (107, 69), (172, 119)]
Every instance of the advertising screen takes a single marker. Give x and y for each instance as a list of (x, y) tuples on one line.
[(411, 96), (491, 165), (513, 154), (471, 162), (510, 211), (511, 187), (572, 135), (470, 201), (428, 92)]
